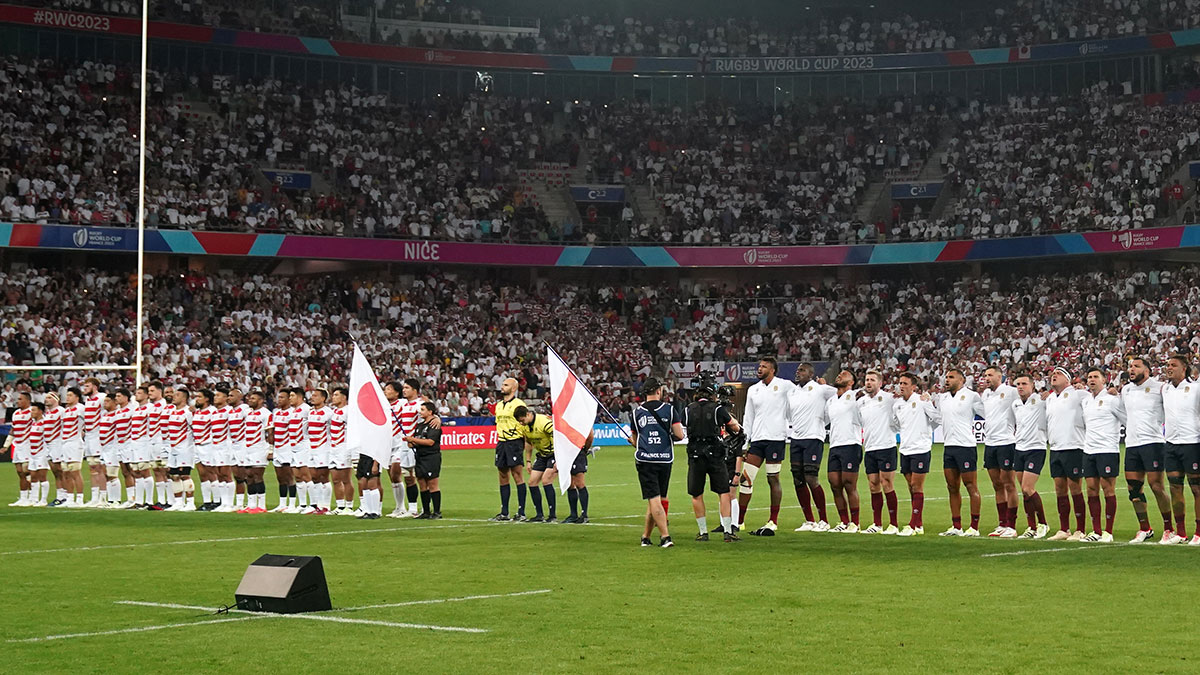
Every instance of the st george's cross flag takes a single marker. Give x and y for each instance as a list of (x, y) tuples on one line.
[(573, 408), (369, 417)]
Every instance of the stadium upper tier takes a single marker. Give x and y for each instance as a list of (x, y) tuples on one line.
[(579, 29), (474, 169)]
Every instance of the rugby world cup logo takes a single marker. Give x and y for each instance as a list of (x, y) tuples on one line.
[(1124, 238), (80, 237), (750, 256)]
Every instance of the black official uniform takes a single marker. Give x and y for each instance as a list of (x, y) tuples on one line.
[(705, 419), (429, 457)]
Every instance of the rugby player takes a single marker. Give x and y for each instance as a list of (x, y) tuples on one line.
[(1181, 408), (999, 448), (916, 417), (1103, 415), (958, 407), (157, 429), (298, 446), (181, 454), (509, 450), (1029, 412), (844, 418), (39, 459), (806, 410), (282, 452), (1145, 461), (256, 437), (117, 463), (237, 446), (316, 457), (341, 456), (92, 407), (71, 433), (875, 408), (1064, 429), (141, 452), (18, 440), (223, 487), (406, 409), (52, 440), (206, 454), (766, 421)]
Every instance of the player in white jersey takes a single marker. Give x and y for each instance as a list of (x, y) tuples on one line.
[(52, 439), (1103, 415), (806, 417), (766, 420), (958, 407), (406, 407), (39, 460), (206, 452), (1064, 431), (1028, 411), (916, 417), (879, 451), (93, 405), (237, 445), (106, 430), (298, 442), (72, 447), (842, 415), (141, 449), (18, 440), (157, 427), (256, 437), (181, 452), (999, 449), (342, 457), (1181, 408), (316, 432), (1145, 461), (223, 487)]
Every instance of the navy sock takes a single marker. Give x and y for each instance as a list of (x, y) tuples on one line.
[(292, 490), (283, 491), (551, 498), (573, 499), (521, 498), (537, 500), (505, 493), (583, 500)]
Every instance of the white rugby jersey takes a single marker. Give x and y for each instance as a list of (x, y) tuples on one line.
[(916, 419), (255, 427), (878, 420), (806, 409), (237, 424), (1144, 410), (1103, 415), (767, 410), (844, 419), (316, 427), (1064, 419), (958, 411), (998, 424), (1030, 416), (1181, 408)]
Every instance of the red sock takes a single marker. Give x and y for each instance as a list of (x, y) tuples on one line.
[(1039, 509), (1002, 513), (975, 521), (775, 513), (1110, 512), (665, 504), (1080, 513), (956, 521), (893, 506), (1064, 513), (1029, 515), (742, 509), (918, 506), (1167, 523), (1094, 508), (1180, 527), (1012, 516), (818, 497), (854, 516), (843, 515), (877, 508), (805, 503)]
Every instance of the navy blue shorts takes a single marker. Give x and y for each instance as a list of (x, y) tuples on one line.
[(1000, 457), (1144, 458), (879, 461), (845, 458), (1031, 461), (1104, 465), (915, 463), (961, 458), (771, 451), (1066, 464), (1182, 458), (580, 464), (543, 462), (508, 453), (654, 479), (806, 454)]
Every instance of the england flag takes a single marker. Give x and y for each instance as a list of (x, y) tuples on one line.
[(573, 408)]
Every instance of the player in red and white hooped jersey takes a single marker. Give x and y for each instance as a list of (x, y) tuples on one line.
[(181, 454), (237, 445), (71, 432), (141, 448), (123, 454), (52, 438), (300, 448), (316, 428), (281, 418), (223, 488), (106, 436), (93, 406), (18, 439), (341, 455), (155, 428), (256, 435), (404, 459), (203, 419), (38, 455)]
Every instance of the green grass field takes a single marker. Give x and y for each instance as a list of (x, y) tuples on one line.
[(594, 600)]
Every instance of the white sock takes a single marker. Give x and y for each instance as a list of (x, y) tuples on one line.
[(44, 491), (95, 493), (326, 494), (398, 493), (22, 495), (230, 493), (60, 493), (702, 522), (726, 522), (114, 490), (161, 491), (734, 509), (377, 501), (79, 498), (239, 500), (302, 493)]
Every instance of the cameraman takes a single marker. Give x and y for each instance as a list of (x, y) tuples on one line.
[(705, 418)]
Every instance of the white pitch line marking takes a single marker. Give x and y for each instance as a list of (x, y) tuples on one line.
[(438, 601), (1082, 547), (139, 629), (308, 617)]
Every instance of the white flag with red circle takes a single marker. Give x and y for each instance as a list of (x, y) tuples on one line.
[(369, 417), (574, 411)]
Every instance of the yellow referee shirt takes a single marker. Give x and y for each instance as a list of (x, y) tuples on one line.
[(506, 424), (540, 434)]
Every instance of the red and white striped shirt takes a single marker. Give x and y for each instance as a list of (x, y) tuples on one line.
[(21, 420), (337, 428), (93, 406), (202, 423), (37, 436), (299, 415), (256, 422), (397, 430), (179, 426), (237, 423), (72, 422), (157, 415), (280, 419), (139, 422), (106, 427), (408, 414), (123, 422), (220, 425), (318, 427), (52, 425)]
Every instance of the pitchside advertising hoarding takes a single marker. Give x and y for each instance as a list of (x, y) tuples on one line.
[(484, 436)]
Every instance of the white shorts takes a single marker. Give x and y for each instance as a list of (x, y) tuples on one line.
[(237, 454), (39, 462), (224, 454), (283, 456), (182, 456), (403, 455), (91, 445), (111, 454), (141, 451), (54, 451), (162, 449), (72, 450), (343, 457), (255, 455), (20, 453), (207, 454)]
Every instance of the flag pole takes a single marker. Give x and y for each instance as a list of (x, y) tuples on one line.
[(611, 417)]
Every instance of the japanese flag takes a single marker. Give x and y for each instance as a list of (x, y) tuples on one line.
[(369, 418), (574, 411)]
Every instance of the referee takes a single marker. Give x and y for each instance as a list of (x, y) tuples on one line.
[(510, 445), (426, 440)]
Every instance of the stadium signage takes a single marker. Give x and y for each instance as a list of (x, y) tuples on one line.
[(923, 190), (484, 436), (73, 20), (791, 64), (598, 193), (289, 180), (421, 251)]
